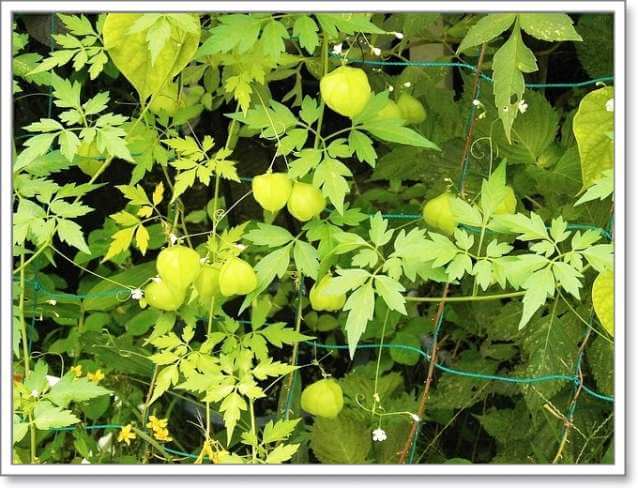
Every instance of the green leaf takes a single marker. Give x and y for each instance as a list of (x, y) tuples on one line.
[(282, 453), (403, 355), (269, 235), (510, 62), (603, 299), (363, 147), (48, 416), (306, 259), (532, 131), (379, 235), (392, 293), (131, 56), (70, 389), (549, 26), (71, 233), (343, 440), (592, 124), (530, 228), (231, 407), (272, 39), (329, 176), (166, 377), (279, 431), (389, 131), (278, 334), (538, 287), (600, 189), (234, 31), (487, 28), (107, 294), (600, 257), (306, 30), (360, 305)]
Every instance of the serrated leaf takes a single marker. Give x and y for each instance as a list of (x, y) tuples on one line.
[(71, 233), (549, 26), (269, 235), (121, 241), (360, 307), (343, 440), (392, 293), (510, 62), (486, 29), (306, 259), (70, 389), (48, 416)]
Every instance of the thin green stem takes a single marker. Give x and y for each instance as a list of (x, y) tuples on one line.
[(481, 298), (376, 398), (322, 105)]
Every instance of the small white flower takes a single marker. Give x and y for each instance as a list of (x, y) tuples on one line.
[(609, 106), (35, 393), (377, 398), (415, 417), (204, 260), (241, 247), (51, 381), (398, 35), (156, 279), (337, 48), (390, 88), (85, 461), (476, 102), (172, 238), (379, 435), (407, 84), (52, 302), (522, 106), (375, 50), (137, 294)]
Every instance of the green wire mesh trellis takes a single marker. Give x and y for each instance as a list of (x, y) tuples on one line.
[(575, 378)]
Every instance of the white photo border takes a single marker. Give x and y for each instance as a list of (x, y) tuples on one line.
[(9, 7)]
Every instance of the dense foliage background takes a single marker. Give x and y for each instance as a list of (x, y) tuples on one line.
[(483, 334)]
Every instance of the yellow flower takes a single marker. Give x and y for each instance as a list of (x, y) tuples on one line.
[(156, 424), (162, 435), (96, 377), (77, 370), (126, 434)]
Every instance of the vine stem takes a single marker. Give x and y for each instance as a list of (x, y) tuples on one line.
[(295, 347), (569, 422), (468, 298), (439, 313)]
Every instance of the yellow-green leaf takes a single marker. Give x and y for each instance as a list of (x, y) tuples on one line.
[(158, 193), (141, 239), (129, 51), (121, 242), (593, 123), (603, 298)]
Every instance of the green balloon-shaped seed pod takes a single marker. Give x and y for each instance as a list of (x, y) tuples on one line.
[(159, 294), (207, 284), (237, 277), (305, 201), (323, 398), (389, 111), (321, 300), (271, 190), (178, 266), (346, 90), (438, 214), (411, 109)]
